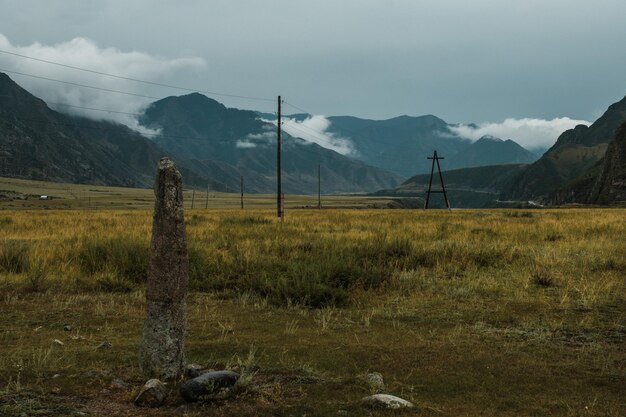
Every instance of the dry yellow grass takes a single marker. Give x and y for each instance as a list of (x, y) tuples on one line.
[(470, 312)]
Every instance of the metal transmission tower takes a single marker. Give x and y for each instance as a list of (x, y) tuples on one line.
[(436, 159)]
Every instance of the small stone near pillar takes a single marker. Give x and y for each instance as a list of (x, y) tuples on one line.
[(152, 394)]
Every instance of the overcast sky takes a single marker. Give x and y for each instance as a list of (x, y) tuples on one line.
[(465, 61)]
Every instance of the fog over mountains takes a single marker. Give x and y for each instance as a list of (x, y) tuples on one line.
[(217, 145), (587, 165)]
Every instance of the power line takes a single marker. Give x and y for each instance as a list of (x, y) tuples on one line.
[(312, 131), (140, 81), (308, 113), (93, 109), (213, 93), (312, 114), (298, 108), (351, 132), (299, 128), (317, 134), (81, 85), (53, 103), (83, 126), (302, 126)]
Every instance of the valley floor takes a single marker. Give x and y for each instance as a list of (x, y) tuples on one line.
[(464, 313)]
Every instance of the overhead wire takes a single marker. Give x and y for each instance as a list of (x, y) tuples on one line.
[(212, 93), (311, 114), (135, 80), (95, 109), (83, 126), (385, 158), (109, 90), (300, 127), (318, 135)]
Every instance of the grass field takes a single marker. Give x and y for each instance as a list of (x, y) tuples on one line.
[(25, 194), (469, 312)]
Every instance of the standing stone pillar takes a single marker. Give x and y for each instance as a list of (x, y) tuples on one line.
[(161, 352)]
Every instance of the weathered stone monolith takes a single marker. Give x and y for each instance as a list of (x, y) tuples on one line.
[(161, 352)]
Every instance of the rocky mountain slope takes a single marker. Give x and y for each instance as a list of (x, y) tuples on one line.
[(213, 146), (605, 182), (195, 126), (576, 152)]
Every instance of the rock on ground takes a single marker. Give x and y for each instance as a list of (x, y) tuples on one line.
[(152, 394), (386, 401), (193, 370), (119, 384), (104, 345), (376, 382), (207, 384)]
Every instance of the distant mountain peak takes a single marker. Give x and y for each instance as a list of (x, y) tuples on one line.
[(192, 100), (490, 138)]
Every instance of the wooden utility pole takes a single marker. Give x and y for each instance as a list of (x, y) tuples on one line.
[(436, 159), (319, 187), (279, 190), (193, 197), (242, 192), (282, 207), (206, 203)]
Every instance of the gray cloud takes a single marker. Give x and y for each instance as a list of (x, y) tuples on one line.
[(462, 61), (82, 52)]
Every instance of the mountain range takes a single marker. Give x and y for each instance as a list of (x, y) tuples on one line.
[(586, 165), (214, 146), (195, 126), (401, 144), (37, 142)]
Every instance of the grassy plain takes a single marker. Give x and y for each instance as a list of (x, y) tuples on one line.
[(17, 194), (469, 312)]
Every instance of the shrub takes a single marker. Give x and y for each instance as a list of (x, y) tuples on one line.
[(111, 281), (128, 257), (36, 275), (541, 277), (14, 256), (195, 220), (526, 214), (553, 237), (246, 220)]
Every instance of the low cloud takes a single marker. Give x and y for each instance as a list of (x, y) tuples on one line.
[(244, 144), (256, 139), (253, 140), (314, 129), (530, 133), (85, 53)]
